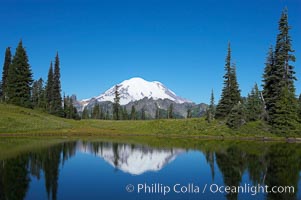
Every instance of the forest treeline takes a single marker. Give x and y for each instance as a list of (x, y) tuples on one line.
[(276, 105)]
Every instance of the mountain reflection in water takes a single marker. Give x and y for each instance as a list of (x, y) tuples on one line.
[(277, 164)]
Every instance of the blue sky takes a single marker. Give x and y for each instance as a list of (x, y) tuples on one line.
[(181, 43)]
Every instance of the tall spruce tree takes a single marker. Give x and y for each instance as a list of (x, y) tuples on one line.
[(49, 90), (299, 100), (170, 114), (269, 83), (230, 93), (56, 95), (19, 79), (38, 94), (116, 104), (133, 113), (211, 109), (7, 62), (279, 80), (285, 119), (254, 105)]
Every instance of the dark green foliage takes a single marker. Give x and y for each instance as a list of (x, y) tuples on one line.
[(125, 115), (237, 116), (285, 116), (38, 95), (19, 79), (96, 112), (70, 112), (254, 105), (143, 115), (210, 113), (116, 104), (86, 113), (49, 90), (299, 107), (7, 63), (189, 113), (230, 93), (1, 92), (269, 83), (279, 77), (56, 90), (133, 113), (170, 114)]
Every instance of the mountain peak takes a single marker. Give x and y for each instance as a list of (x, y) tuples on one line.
[(137, 88)]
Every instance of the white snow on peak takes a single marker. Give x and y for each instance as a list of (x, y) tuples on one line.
[(136, 89), (135, 161)]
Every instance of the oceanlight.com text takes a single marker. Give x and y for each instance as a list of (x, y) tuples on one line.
[(191, 188)]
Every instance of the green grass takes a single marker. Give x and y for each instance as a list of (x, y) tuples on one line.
[(15, 120)]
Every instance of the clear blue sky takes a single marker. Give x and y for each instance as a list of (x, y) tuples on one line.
[(181, 43)]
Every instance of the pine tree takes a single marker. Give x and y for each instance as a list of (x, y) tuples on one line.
[(125, 115), (211, 110), (299, 100), (133, 113), (234, 87), (170, 112), (19, 79), (7, 62), (269, 83), (254, 105), (96, 112), (143, 115), (86, 113), (189, 113), (49, 90), (56, 95), (116, 104), (38, 94), (237, 116), (230, 93), (285, 117), (279, 77)]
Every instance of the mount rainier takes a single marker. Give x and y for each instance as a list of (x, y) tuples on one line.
[(142, 94)]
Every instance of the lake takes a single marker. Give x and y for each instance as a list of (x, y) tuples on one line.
[(156, 168)]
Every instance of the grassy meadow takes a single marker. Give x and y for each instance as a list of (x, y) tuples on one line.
[(18, 121)]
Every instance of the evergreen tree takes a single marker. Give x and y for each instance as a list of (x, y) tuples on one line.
[(96, 112), (143, 115), (237, 116), (254, 105), (279, 77), (19, 79), (56, 95), (125, 115), (49, 90), (234, 87), (116, 104), (285, 116), (7, 62), (38, 94), (133, 113), (170, 112), (86, 113), (269, 83), (189, 113), (211, 110), (230, 93), (300, 107), (157, 115)]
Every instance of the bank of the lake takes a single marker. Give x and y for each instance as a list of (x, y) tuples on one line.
[(17, 121)]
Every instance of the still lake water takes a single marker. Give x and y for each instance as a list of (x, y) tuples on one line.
[(171, 169)]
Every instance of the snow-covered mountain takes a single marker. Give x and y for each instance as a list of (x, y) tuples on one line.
[(133, 160), (136, 89)]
